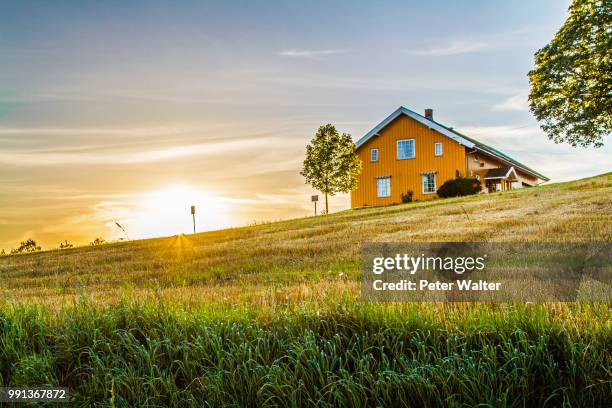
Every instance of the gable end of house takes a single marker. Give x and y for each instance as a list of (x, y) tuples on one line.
[(421, 119)]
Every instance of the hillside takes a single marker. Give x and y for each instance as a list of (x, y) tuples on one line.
[(270, 315), (310, 257)]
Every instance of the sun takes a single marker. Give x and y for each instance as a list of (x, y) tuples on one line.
[(167, 212)]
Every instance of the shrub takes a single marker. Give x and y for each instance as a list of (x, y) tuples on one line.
[(65, 245), (461, 186), (97, 241), (29, 245), (407, 198)]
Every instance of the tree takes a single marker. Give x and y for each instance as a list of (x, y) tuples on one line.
[(331, 165), (29, 245), (571, 84), (2, 253)]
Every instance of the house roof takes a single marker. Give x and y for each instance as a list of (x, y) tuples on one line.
[(460, 138), (500, 173), (491, 151), (419, 118)]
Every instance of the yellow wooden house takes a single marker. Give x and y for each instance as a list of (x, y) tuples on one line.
[(412, 152)]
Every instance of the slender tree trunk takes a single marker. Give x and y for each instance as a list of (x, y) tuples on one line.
[(326, 207)]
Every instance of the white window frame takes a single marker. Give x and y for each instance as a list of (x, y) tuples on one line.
[(413, 149), (436, 149), (374, 152), (423, 180), (381, 193)]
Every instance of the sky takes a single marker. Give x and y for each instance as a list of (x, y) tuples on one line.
[(130, 112)]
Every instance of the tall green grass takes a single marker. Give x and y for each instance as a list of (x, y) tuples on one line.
[(344, 355)]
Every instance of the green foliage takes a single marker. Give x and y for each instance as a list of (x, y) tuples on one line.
[(571, 84), (331, 165), (29, 245), (407, 198), (359, 356), (458, 187), (97, 241)]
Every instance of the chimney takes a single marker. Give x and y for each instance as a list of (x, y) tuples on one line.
[(429, 113)]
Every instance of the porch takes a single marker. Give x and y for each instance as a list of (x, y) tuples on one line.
[(500, 179)]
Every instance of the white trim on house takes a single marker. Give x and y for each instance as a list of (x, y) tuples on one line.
[(508, 162), (397, 147), (374, 154), (383, 190), (421, 119), (436, 149), (435, 182), (510, 171)]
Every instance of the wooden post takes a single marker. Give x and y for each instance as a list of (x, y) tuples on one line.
[(193, 216), (314, 199)]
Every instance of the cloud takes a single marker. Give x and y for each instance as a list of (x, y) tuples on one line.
[(455, 47), (29, 157), (516, 102), (504, 133), (310, 53), (491, 42), (99, 146), (88, 131)]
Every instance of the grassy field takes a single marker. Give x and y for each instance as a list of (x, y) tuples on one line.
[(270, 315)]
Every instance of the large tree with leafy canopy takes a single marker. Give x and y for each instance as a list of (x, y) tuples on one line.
[(571, 84), (331, 165)]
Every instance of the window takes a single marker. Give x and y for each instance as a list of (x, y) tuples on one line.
[(438, 149), (383, 186), (405, 149), (374, 155), (429, 183)]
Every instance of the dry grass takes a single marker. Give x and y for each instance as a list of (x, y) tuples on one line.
[(301, 257)]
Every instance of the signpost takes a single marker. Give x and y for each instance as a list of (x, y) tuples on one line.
[(314, 199), (193, 216)]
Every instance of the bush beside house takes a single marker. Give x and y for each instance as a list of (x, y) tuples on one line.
[(459, 187)]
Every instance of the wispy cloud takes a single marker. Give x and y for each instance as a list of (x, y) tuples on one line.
[(516, 102), (505, 133), (310, 53), (453, 47), (89, 131), (469, 45), (33, 158)]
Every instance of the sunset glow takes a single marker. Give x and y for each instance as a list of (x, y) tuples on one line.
[(167, 212), (132, 116)]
